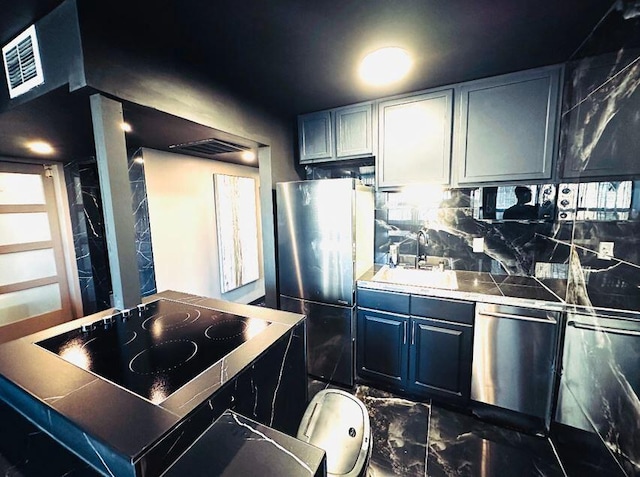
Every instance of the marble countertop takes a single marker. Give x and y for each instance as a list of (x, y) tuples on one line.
[(104, 418), (465, 285), (486, 288)]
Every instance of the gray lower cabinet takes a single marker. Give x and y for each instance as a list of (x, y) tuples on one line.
[(440, 358), (428, 355), (508, 126), (415, 140), (337, 134), (382, 346)]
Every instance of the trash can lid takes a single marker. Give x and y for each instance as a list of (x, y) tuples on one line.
[(338, 423)]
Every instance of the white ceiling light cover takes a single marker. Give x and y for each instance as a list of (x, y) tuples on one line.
[(385, 66)]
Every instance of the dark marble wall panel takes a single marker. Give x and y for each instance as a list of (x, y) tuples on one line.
[(85, 205), (598, 406), (140, 206), (87, 222)]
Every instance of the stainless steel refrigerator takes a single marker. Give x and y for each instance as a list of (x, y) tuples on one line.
[(325, 242)]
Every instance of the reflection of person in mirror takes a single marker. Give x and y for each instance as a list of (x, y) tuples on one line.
[(521, 210)]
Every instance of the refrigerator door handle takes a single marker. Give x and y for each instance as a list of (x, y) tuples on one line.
[(604, 329)]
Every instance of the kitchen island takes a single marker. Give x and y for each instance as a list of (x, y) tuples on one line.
[(120, 428)]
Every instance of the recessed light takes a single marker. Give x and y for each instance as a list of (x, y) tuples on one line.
[(385, 66), (126, 127), (40, 147), (248, 156)]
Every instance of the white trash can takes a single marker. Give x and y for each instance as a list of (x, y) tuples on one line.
[(338, 423)]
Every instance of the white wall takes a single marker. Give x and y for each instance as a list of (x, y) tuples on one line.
[(183, 224)]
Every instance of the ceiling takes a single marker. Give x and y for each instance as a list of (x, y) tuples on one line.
[(293, 56)]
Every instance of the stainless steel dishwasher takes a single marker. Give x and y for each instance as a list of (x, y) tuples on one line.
[(514, 359)]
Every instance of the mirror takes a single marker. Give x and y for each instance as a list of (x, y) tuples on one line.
[(523, 202)]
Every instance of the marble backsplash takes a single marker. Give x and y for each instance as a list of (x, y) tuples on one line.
[(554, 246)]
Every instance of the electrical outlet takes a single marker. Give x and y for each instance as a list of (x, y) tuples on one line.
[(605, 250), (478, 245)]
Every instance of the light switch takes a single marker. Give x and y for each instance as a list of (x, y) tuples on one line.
[(605, 250), (478, 245)]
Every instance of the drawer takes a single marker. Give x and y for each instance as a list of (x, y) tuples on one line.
[(384, 301), (443, 309)]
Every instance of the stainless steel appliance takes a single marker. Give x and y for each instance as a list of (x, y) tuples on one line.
[(157, 348), (600, 381), (325, 242), (514, 359)]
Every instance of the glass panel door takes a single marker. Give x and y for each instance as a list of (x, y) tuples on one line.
[(34, 293)]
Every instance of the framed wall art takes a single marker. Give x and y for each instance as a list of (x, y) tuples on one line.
[(237, 228)]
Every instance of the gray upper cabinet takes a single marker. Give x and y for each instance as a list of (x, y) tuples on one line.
[(337, 134), (354, 130), (315, 133), (508, 127), (415, 139)]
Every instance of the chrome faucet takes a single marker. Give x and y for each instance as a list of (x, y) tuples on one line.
[(422, 239)]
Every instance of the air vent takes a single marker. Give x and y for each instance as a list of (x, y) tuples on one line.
[(22, 63), (209, 147)]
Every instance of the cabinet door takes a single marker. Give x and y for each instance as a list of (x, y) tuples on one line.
[(315, 137), (508, 127), (440, 358), (354, 130), (415, 140), (382, 346)]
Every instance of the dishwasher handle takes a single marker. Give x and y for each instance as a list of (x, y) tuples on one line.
[(604, 329), (497, 314)]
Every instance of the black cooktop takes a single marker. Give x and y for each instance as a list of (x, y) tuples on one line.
[(155, 349)]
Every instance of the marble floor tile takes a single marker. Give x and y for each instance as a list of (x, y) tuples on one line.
[(462, 446), (459, 445), (399, 429)]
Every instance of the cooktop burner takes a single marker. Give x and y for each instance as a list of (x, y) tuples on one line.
[(154, 350)]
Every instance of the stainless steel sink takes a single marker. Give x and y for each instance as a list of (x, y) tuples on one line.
[(435, 278)]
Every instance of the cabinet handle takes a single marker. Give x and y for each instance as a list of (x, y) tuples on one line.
[(404, 334), (413, 333)]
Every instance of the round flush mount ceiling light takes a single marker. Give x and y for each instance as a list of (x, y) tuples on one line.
[(40, 147), (248, 156), (385, 66)]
